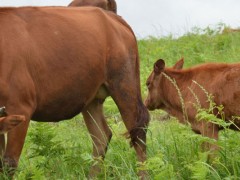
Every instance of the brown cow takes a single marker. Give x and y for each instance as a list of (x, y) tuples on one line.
[(109, 5), (220, 80), (57, 62)]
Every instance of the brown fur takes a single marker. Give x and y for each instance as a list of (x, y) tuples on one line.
[(109, 5), (57, 62), (220, 80), (9, 122)]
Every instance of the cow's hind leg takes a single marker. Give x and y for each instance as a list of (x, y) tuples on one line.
[(99, 131)]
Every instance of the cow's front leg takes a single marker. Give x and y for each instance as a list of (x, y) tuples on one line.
[(15, 141)]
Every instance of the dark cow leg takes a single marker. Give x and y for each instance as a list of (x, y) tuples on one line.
[(134, 115), (2, 145), (15, 141), (99, 131)]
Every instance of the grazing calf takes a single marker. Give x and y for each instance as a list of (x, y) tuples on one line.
[(109, 5), (220, 80), (59, 61)]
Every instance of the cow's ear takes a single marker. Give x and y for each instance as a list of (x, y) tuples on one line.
[(179, 64), (159, 66)]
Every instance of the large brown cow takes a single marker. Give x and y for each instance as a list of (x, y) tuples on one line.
[(220, 80), (57, 62), (110, 5)]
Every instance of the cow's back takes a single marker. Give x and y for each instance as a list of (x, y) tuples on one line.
[(98, 3), (52, 49), (225, 90), (219, 80)]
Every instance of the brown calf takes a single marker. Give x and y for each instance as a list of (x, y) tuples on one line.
[(220, 80), (109, 5), (59, 61)]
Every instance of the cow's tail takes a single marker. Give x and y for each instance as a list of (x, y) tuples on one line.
[(138, 133)]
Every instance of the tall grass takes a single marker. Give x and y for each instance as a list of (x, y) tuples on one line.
[(63, 150)]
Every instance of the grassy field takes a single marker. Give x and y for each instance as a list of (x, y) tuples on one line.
[(63, 150)]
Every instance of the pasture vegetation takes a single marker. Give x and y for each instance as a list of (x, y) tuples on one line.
[(63, 150)]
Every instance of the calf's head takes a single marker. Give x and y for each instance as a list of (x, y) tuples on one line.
[(155, 98)]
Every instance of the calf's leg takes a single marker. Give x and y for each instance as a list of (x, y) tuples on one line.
[(210, 130), (99, 131)]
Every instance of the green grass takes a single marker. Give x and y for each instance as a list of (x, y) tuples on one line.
[(63, 150)]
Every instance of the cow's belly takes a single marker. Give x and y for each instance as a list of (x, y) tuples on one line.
[(65, 103), (60, 109)]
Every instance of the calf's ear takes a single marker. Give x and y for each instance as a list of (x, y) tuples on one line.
[(159, 66), (179, 64), (9, 122)]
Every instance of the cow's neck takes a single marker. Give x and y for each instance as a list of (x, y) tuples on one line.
[(175, 84), (182, 77)]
